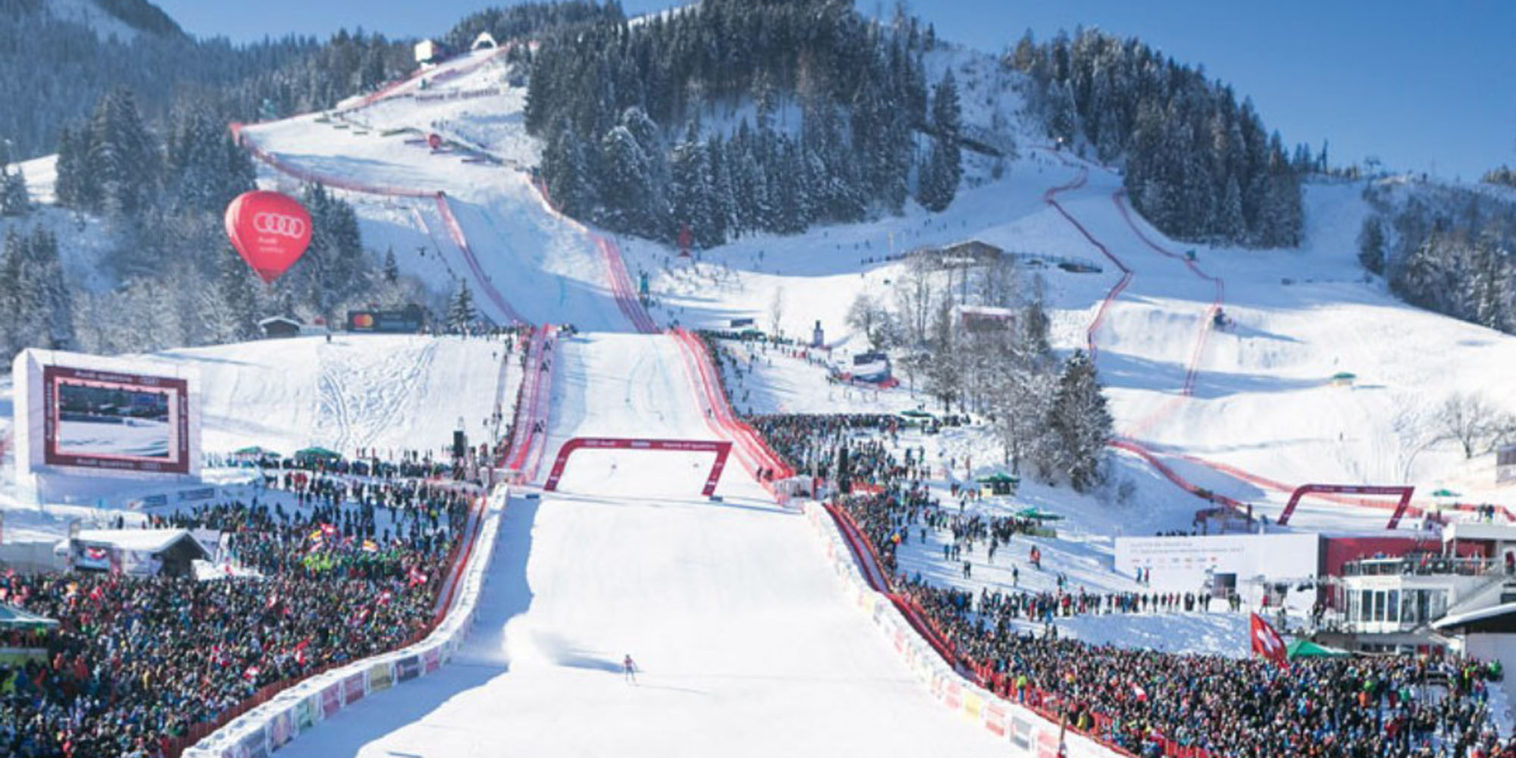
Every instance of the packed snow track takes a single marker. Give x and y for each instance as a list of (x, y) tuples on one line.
[(746, 644)]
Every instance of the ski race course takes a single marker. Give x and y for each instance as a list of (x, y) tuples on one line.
[(737, 622), (744, 614)]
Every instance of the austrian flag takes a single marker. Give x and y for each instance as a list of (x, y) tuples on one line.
[(1266, 641)]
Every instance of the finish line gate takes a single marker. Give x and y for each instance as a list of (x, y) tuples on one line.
[(721, 448)]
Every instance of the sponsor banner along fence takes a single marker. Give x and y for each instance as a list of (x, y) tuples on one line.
[(1028, 732), (279, 716), (467, 94), (615, 266), (752, 451), (533, 399)]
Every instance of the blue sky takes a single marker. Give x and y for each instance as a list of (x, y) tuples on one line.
[(1424, 86)]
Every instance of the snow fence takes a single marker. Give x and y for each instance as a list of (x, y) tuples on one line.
[(1027, 732), (753, 451), (304, 706)]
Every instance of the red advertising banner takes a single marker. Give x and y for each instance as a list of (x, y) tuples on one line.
[(331, 699), (1404, 494), (352, 688)]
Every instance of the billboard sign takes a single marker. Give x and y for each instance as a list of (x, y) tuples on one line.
[(112, 420), (407, 320), (871, 367)]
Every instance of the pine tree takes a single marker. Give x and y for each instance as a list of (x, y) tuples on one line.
[(1371, 244), (123, 157), (461, 315), (626, 182), (391, 267), (1080, 422), (229, 311), (14, 198), (69, 189)]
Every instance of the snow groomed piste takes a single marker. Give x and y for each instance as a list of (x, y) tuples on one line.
[(1129, 439), (617, 281), (734, 622), (546, 633)]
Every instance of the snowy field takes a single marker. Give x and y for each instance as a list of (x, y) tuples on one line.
[(746, 644), (376, 392)]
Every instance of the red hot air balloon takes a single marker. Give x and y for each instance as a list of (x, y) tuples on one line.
[(269, 230)]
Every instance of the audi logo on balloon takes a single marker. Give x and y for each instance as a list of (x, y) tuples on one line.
[(269, 230), (280, 224)]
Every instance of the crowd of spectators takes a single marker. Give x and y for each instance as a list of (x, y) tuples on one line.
[(342, 566), (1150, 703)]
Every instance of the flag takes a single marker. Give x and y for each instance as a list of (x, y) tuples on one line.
[(415, 577), (251, 674), (1139, 693), (370, 546), (1267, 642)]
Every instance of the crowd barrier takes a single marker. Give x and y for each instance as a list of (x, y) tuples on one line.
[(388, 90), (455, 230), (616, 274), (444, 209), (312, 177), (529, 436), (754, 453), (1027, 732), (1051, 198), (282, 716)]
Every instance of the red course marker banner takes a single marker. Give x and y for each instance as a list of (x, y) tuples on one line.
[(1350, 489), (721, 448)]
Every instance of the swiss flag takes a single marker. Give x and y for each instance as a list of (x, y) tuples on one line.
[(1266, 641)]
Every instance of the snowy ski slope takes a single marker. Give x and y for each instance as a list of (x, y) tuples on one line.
[(739, 625), (492, 229)]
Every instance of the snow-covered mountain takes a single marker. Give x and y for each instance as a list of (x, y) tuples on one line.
[(122, 19)]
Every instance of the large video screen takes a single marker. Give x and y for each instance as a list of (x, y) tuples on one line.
[(111, 420)]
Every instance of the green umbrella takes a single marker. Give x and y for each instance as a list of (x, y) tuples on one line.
[(1445, 493), (1303, 648), (1344, 376), (252, 450), (318, 452), (1031, 512)]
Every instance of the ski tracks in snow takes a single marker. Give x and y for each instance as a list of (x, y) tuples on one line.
[(361, 399)]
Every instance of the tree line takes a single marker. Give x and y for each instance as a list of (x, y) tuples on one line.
[(54, 70), (160, 199), (1445, 248), (732, 116), (976, 338), (1196, 163)]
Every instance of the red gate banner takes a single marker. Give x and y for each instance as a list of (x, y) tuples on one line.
[(720, 447), (1350, 489)]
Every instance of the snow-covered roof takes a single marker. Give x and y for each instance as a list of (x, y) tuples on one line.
[(1459, 619), (137, 540)]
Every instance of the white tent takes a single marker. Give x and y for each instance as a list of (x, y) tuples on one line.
[(141, 552)]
